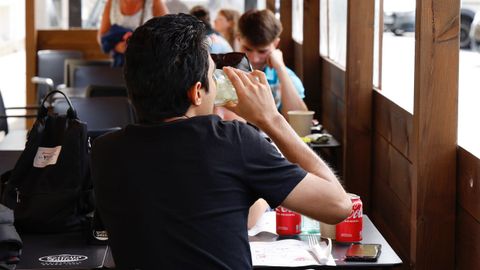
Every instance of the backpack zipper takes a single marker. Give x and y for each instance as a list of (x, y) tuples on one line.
[(18, 195)]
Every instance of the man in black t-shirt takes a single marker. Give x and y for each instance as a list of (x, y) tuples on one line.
[(174, 190)]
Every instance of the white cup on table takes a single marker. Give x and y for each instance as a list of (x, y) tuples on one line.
[(301, 121)]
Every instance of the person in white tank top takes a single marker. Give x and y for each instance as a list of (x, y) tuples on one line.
[(129, 14)]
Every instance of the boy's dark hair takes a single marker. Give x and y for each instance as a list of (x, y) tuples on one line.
[(259, 27), (201, 13), (165, 57)]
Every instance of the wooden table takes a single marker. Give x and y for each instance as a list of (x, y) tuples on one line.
[(388, 258), (60, 251)]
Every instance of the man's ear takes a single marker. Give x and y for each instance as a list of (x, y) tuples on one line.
[(194, 94), (276, 42)]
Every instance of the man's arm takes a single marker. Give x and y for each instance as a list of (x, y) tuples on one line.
[(319, 194), (255, 212), (289, 95)]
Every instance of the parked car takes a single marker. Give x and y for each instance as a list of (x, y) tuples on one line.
[(466, 18), (475, 33), (399, 22), (400, 18)]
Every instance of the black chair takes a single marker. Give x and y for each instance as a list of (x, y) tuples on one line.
[(106, 91), (51, 64), (72, 64), (84, 76), (100, 113), (4, 117)]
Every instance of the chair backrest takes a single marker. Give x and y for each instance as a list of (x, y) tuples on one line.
[(100, 113), (3, 118), (51, 64), (106, 91), (72, 64), (84, 76)]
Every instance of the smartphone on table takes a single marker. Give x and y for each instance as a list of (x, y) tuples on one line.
[(363, 252)]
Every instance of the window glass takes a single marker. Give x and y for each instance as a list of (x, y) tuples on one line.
[(398, 52), (261, 4), (297, 21), (92, 13), (324, 28), (469, 68), (376, 45), (53, 14), (337, 31), (12, 59)]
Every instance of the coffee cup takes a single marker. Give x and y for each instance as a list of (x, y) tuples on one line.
[(301, 121)]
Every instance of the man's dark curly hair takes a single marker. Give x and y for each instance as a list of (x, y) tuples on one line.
[(164, 58)]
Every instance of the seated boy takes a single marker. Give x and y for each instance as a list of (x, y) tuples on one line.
[(259, 36)]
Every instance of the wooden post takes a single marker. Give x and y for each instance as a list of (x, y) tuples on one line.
[(271, 5), (311, 56), (435, 134), (358, 98), (286, 41), (31, 53)]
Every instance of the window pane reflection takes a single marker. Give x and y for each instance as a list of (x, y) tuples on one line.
[(376, 44), (324, 28), (297, 21), (398, 52), (469, 68), (337, 31)]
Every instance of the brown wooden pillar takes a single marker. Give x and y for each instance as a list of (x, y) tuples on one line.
[(435, 134), (271, 5), (286, 41), (358, 99), (311, 56), (30, 51)]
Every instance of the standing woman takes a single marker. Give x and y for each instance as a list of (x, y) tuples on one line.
[(120, 18), (226, 24)]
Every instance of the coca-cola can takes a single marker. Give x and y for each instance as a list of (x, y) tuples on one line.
[(288, 222), (350, 230)]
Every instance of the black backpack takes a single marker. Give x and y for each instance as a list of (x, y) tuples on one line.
[(50, 189)]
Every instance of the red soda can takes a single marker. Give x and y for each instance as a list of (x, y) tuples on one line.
[(350, 230), (288, 222)]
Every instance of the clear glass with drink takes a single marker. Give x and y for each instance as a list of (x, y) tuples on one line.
[(225, 90)]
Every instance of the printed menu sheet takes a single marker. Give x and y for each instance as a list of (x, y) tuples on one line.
[(284, 253)]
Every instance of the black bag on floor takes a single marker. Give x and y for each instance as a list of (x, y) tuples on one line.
[(50, 189)]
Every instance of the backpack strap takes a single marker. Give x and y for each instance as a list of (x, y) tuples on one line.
[(42, 111)]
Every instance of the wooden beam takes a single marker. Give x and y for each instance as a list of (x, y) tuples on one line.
[(311, 56), (435, 134), (358, 99), (31, 52), (286, 41), (271, 5)]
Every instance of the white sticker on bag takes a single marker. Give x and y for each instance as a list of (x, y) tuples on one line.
[(46, 156)]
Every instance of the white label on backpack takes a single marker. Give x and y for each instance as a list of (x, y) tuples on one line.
[(46, 156)]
